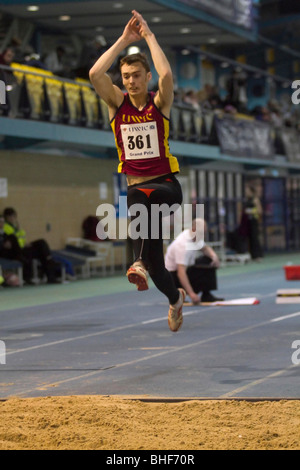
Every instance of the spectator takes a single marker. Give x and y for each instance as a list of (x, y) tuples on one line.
[(191, 99), (55, 61), (237, 93), (7, 245), (89, 55), (275, 114), (7, 242), (6, 58), (261, 113), (34, 60), (249, 227), (2, 235), (189, 270), (27, 252), (178, 96), (229, 109)]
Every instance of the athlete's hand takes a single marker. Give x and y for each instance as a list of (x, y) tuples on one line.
[(215, 262), (131, 32), (195, 298), (144, 29)]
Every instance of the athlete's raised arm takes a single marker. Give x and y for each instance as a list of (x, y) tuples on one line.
[(101, 81), (165, 94)]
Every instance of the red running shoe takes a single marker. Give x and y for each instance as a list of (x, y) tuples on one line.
[(138, 275)]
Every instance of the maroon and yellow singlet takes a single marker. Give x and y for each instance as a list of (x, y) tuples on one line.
[(142, 140)]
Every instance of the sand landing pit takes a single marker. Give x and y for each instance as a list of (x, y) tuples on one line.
[(118, 423)]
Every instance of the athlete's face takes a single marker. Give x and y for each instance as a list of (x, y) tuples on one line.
[(135, 78)]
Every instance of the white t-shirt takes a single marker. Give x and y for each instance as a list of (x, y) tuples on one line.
[(180, 252)]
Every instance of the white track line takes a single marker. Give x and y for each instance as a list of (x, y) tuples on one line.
[(133, 325), (233, 393), (156, 355), (285, 317), (173, 350)]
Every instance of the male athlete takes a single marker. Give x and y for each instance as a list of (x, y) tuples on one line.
[(140, 122)]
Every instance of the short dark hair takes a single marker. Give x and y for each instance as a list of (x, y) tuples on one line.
[(9, 211), (132, 58)]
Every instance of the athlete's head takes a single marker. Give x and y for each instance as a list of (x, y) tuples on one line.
[(132, 58), (136, 74)]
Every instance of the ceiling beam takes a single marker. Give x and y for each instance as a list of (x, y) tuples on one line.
[(207, 18)]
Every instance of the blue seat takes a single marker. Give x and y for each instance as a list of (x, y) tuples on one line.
[(70, 262)]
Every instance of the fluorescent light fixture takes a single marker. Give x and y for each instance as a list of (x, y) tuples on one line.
[(64, 18), (156, 19), (133, 50), (118, 5), (33, 8), (185, 30)]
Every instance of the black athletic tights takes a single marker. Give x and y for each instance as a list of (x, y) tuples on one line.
[(163, 190)]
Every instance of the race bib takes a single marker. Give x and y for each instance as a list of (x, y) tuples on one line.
[(140, 141)]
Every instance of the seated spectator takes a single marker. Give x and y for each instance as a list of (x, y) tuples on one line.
[(189, 270), (55, 61), (7, 243), (3, 237), (237, 90), (191, 99), (261, 113), (6, 58), (275, 114), (229, 109), (34, 60), (213, 100), (178, 96), (27, 252), (9, 246), (90, 53)]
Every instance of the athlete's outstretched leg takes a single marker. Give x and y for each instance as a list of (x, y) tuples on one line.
[(139, 207)]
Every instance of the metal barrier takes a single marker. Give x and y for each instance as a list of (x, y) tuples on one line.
[(37, 94)]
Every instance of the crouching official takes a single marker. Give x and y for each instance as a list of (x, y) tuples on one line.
[(196, 274)]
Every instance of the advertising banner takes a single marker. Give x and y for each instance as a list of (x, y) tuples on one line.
[(245, 138)]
